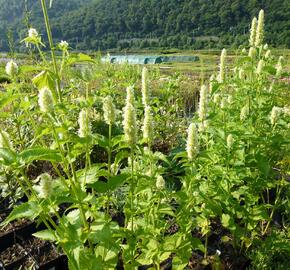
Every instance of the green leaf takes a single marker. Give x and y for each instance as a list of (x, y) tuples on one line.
[(228, 222), (112, 183), (45, 235), (79, 59), (6, 99), (29, 155), (44, 79), (28, 210), (7, 156)]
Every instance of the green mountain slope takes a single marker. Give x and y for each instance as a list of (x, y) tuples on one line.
[(103, 24)]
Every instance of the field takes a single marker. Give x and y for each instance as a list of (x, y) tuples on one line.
[(181, 166)]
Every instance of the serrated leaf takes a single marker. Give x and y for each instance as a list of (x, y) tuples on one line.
[(28, 210), (29, 155)]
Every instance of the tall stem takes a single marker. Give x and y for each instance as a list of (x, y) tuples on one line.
[(109, 165), (49, 35), (132, 196)]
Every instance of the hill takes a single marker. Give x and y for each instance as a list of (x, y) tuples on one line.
[(102, 24)]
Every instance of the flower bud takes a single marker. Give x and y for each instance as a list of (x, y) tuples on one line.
[(63, 45), (244, 113), (221, 75), (216, 98), (241, 74), (160, 182), (279, 66), (11, 68), (268, 54), (32, 33), (260, 67), (45, 100), (230, 141)]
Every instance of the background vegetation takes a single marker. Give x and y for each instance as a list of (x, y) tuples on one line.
[(123, 24)]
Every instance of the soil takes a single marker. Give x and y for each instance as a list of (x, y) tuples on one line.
[(46, 254), (14, 225), (29, 263), (12, 254)]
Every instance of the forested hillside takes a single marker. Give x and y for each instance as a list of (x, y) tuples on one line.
[(103, 24)]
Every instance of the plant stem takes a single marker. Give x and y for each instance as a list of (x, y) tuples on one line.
[(49, 35), (132, 197), (109, 165), (205, 245)]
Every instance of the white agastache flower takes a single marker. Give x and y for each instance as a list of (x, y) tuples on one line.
[(129, 122), (222, 71), (244, 113), (145, 91), (109, 110), (192, 145), (148, 125), (45, 100), (279, 66), (268, 54), (84, 124), (11, 68), (63, 45), (4, 140), (266, 47), (275, 114), (45, 186), (216, 98), (230, 141), (253, 32), (210, 88), (260, 29), (260, 67), (244, 51), (202, 103), (32, 33), (211, 78), (160, 182), (130, 98), (252, 52)]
